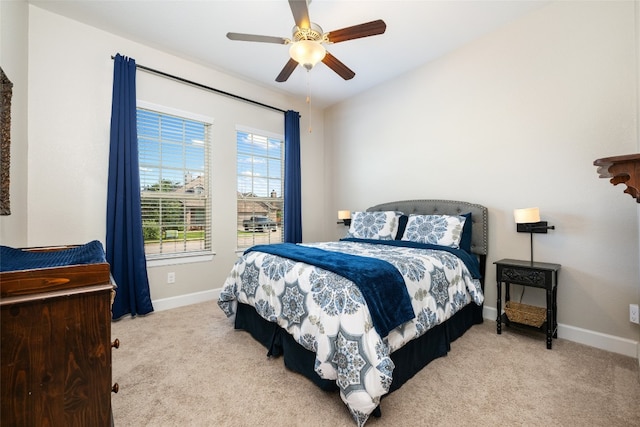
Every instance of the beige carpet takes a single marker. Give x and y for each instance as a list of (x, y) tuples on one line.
[(189, 367)]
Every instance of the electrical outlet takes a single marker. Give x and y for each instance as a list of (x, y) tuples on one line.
[(634, 313), (171, 277)]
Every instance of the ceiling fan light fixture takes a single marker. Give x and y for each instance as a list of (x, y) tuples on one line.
[(307, 53)]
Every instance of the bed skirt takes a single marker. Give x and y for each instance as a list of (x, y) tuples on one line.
[(409, 360)]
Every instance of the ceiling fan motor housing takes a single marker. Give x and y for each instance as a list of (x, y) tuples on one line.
[(313, 33)]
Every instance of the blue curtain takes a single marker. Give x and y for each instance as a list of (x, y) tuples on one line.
[(124, 242), (292, 192)]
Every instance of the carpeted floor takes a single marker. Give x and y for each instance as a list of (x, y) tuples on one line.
[(189, 367)]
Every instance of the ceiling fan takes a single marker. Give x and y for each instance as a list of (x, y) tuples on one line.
[(307, 41)]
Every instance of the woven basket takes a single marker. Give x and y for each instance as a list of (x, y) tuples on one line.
[(526, 314)]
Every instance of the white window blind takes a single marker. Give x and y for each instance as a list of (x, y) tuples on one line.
[(175, 191), (260, 177)]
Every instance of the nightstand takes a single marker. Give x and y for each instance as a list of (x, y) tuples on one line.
[(535, 274)]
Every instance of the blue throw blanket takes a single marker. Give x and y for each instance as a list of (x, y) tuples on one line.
[(12, 259), (381, 284)]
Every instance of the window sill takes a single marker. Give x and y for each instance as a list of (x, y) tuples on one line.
[(180, 259)]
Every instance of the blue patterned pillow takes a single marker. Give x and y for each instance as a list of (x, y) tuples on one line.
[(443, 230), (374, 225)]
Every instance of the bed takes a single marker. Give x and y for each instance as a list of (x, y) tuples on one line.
[(363, 315)]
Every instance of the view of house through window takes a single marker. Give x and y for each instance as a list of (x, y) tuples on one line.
[(174, 183), (260, 204)]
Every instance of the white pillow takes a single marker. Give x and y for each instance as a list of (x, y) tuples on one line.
[(381, 225), (443, 230)]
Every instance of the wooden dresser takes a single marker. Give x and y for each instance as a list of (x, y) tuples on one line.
[(56, 346)]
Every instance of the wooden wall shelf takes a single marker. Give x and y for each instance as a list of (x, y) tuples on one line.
[(622, 169)]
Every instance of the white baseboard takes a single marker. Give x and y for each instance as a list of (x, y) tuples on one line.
[(599, 340), (187, 299)]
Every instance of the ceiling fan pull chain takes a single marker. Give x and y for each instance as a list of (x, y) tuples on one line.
[(309, 100)]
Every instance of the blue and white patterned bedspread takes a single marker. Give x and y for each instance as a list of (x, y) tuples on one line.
[(327, 314)]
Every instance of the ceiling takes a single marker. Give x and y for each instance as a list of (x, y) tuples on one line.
[(417, 32)]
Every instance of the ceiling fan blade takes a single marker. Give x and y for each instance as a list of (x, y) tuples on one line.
[(286, 71), (367, 29), (337, 66), (256, 38), (300, 10)]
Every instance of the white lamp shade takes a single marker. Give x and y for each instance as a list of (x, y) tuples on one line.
[(526, 215), (344, 214), (307, 53)]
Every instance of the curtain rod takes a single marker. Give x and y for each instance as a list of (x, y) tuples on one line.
[(201, 86)]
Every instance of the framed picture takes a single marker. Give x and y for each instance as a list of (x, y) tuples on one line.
[(5, 144)]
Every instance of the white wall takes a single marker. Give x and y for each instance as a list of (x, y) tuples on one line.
[(70, 83), (13, 60), (516, 120)]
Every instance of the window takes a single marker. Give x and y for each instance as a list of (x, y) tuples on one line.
[(260, 204), (174, 182)]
